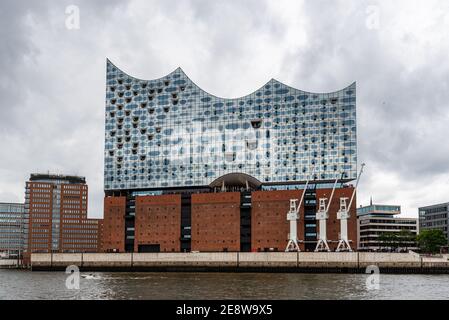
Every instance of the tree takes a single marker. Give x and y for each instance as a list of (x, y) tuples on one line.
[(387, 240), (406, 239), (430, 241), (394, 240)]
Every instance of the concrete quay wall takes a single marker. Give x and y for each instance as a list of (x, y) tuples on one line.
[(8, 263), (244, 262)]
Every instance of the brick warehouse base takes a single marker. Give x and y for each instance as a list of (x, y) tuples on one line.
[(222, 221)]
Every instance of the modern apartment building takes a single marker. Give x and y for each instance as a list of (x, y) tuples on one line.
[(186, 170), (377, 220), (12, 223), (56, 211), (434, 217)]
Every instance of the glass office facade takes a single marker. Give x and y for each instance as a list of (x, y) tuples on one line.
[(169, 133), (12, 223), (379, 209)]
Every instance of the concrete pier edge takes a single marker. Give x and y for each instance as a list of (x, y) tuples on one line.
[(317, 262)]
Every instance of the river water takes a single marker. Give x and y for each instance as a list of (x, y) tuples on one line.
[(19, 284)]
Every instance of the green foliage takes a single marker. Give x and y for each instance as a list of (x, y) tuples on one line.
[(430, 241), (395, 240)]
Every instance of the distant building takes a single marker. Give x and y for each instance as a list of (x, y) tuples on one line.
[(56, 208), (11, 229), (375, 220), (434, 217)]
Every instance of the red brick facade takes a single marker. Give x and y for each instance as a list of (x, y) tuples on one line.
[(216, 221), (58, 221), (158, 222), (269, 225), (113, 228)]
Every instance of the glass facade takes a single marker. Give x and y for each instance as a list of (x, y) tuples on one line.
[(435, 217), (379, 209), (12, 220), (167, 133)]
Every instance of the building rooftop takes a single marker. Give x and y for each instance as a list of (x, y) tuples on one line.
[(434, 206), (379, 209), (46, 177)]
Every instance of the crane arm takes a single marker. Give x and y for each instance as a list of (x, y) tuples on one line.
[(356, 184), (305, 189), (332, 194), (302, 197)]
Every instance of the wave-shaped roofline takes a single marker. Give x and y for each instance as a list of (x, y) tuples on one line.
[(353, 84)]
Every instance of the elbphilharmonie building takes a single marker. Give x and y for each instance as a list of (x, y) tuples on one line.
[(167, 141)]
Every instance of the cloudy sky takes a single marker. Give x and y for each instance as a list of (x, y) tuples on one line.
[(52, 78)]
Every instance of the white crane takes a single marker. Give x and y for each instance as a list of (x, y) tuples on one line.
[(293, 216), (322, 215), (343, 215)]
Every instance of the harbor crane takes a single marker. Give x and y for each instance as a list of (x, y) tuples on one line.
[(343, 215), (293, 216), (322, 215)]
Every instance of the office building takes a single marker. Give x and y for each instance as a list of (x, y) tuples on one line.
[(375, 220), (56, 209), (12, 221), (434, 217)]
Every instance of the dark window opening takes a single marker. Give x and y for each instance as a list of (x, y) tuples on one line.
[(256, 124)]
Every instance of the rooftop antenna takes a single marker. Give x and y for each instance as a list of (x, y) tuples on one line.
[(343, 215)]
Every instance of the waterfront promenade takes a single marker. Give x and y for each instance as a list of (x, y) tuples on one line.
[(351, 262)]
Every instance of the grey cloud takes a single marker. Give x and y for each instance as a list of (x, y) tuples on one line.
[(52, 80)]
